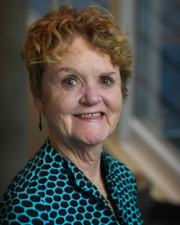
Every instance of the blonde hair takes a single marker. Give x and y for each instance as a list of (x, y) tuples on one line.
[(45, 38)]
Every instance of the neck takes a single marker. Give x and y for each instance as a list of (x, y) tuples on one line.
[(86, 157)]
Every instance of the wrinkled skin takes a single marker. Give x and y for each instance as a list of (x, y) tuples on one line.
[(83, 82)]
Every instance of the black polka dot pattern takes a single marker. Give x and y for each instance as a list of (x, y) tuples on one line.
[(52, 190)]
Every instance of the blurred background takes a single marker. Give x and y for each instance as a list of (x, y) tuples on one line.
[(147, 139)]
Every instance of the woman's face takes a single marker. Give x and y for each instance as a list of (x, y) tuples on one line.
[(82, 95)]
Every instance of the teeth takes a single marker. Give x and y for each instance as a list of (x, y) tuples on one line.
[(88, 116)]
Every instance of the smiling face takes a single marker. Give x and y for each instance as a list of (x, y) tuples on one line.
[(82, 95)]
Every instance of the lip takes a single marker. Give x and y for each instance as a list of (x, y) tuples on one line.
[(97, 119)]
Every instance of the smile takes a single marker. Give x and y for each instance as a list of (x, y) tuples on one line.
[(89, 116)]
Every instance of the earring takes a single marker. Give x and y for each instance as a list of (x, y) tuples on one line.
[(40, 124)]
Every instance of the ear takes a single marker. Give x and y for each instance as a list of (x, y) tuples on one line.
[(38, 104)]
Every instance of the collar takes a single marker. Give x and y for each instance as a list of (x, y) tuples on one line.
[(111, 173), (79, 178)]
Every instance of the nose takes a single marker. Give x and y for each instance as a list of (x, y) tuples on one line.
[(91, 96)]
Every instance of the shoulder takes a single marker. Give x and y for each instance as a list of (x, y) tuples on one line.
[(24, 198), (116, 166), (119, 175), (122, 186), (21, 203), (32, 172)]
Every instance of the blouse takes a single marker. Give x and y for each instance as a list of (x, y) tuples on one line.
[(51, 190)]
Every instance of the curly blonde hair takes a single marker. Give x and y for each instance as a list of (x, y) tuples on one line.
[(45, 38)]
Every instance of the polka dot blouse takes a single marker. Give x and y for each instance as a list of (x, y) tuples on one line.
[(52, 190)]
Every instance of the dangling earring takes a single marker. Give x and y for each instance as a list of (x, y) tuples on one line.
[(40, 124)]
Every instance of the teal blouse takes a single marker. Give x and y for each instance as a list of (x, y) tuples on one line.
[(52, 190)]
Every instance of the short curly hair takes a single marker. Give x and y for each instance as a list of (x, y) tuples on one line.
[(94, 23)]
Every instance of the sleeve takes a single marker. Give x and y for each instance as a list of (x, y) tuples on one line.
[(22, 208), (136, 213), (129, 196)]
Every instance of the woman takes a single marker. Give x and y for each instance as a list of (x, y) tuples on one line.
[(79, 63)]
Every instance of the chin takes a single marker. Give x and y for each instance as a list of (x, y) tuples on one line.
[(94, 140)]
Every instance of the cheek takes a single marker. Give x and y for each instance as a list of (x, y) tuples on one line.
[(117, 109), (115, 102), (61, 104)]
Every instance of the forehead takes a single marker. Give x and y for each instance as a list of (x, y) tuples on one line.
[(76, 43), (81, 55), (81, 49)]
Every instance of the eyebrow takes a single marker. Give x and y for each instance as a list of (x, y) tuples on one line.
[(68, 69), (108, 73), (72, 70)]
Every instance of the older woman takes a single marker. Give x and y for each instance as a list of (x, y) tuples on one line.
[(78, 63)]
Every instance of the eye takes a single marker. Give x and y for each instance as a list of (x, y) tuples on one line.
[(106, 81), (70, 82)]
